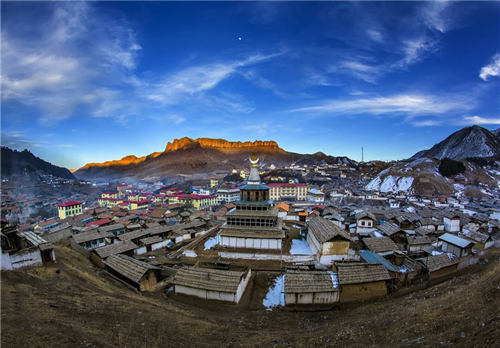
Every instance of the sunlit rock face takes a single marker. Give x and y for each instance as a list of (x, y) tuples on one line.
[(185, 143)]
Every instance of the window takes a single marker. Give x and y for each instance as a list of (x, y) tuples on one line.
[(362, 223)]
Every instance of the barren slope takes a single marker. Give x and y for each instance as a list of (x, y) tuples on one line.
[(82, 307)]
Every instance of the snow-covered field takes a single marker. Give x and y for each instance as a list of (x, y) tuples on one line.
[(211, 242), (390, 184), (275, 296), (300, 247)]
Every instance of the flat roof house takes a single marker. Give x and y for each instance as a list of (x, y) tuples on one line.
[(452, 244)]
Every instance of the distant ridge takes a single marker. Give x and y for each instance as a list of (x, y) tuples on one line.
[(474, 141), (202, 155), (185, 143), (19, 162)]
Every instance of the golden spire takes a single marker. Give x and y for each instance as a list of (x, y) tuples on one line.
[(254, 161)]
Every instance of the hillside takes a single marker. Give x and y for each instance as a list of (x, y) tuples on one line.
[(420, 174), (496, 132), (69, 303), (474, 141), (203, 155), (19, 162), (422, 177)]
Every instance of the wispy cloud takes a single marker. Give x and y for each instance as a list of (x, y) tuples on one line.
[(18, 141), (260, 81), (408, 105), (363, 71), (379, 41), (263, 128), (478, 120), (196, 80), (438, 15), (176, 119), (67, 62), (426, 123), (415, 50), (492, 69)]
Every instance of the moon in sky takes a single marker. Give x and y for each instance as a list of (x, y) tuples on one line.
[(239, 38)]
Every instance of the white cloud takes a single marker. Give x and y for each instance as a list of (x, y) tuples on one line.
[(17, 140), (477, 120), (492, 69), (262, 82), (176, 119), (261, 129), (60, 64), (363, 71), (427, 123), (195, 81), (415, 50), (375, 35), (438, 15), (409, 105)]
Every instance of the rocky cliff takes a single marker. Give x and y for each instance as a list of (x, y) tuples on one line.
[(186, 143)]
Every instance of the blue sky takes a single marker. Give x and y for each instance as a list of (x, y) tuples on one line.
[(90, 82)]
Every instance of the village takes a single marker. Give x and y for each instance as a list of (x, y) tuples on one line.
[(280, 244)]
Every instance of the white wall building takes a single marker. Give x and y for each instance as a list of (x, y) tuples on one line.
[(228, 195)]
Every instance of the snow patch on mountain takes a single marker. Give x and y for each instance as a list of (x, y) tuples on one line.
[(391, 184)]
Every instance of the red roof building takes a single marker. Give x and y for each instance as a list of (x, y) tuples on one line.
[(69, 204)]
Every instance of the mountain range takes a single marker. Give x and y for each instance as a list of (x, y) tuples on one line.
[(20, 162), (206, 155), (202, 155)]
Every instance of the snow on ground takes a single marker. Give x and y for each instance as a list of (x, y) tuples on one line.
[(275, 296), (300, 247), (410, 209), (249, 256), (418, 161), (390, 184), (211, 242), (335, 279), (189, 253)]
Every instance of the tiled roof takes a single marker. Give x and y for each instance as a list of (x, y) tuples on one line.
[(324, 230), (129, 267), (354, 273), (380, 244), (389, 228), (436, 262), (115, 249), (310, 281), (209, 279)]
